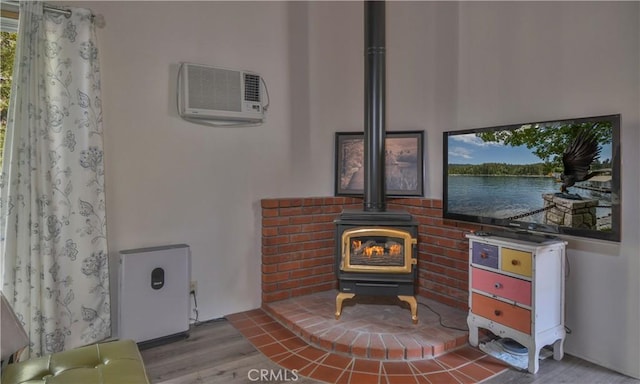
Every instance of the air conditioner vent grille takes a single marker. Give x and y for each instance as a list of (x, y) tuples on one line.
[(218, 94), (251, 87), (214, 89)]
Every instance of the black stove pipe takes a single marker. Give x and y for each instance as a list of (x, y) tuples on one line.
[(374, 94)]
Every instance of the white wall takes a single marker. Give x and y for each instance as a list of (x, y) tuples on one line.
[(170, 181), (449, 66), (421, 76), (523, 62)]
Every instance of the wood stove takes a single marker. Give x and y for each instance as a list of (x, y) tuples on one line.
[(376, 249), (376, 254)]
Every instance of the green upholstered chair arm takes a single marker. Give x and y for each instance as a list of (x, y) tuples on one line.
[(117, 362)]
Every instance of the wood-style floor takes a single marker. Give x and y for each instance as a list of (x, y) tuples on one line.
[(215, 352)]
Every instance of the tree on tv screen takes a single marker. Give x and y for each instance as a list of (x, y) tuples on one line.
[(549, 141)]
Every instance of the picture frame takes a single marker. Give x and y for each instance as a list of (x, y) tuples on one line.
[(404, 165)]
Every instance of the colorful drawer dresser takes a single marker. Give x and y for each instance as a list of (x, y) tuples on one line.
[(516, 290)]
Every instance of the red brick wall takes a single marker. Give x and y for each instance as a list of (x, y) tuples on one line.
[(298, 247)]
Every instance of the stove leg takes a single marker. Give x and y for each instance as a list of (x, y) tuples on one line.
[(411, 300), (339, 299)]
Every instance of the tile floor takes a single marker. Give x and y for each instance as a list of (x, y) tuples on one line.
[(463, 364)]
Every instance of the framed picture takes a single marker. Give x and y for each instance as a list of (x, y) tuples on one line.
[(404, 165)]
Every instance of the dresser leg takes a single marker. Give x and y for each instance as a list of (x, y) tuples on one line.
[(534, 359), (473, 333), (558, 349)]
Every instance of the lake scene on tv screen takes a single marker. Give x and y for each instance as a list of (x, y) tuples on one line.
[(504, 173)]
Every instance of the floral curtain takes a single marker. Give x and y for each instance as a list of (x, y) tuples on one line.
[(53, 247)]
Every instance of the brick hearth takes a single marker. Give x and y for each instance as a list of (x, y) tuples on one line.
[(372, 327), (298, 248)]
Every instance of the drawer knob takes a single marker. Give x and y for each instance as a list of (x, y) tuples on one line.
[(497, 312), (483, 255), (515, 262), (498, 285)]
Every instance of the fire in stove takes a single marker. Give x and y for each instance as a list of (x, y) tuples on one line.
[(386, 254), (377, 250)]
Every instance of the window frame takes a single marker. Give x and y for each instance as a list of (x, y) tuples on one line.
[(9, 15)]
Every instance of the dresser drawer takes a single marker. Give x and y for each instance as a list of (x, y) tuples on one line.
[(516, 261), (485, 254), (500, 285), (501, 312)]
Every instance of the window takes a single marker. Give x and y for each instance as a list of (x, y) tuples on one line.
[(8, 35)]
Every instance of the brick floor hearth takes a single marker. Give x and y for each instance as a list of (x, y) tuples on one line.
[(376, 328), (374, 341)]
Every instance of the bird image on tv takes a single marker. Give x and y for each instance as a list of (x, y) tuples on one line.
[(577, 160)]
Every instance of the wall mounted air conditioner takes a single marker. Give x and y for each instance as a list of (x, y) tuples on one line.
[(218, 94)]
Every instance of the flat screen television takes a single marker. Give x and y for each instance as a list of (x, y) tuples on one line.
[(512, 176)]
